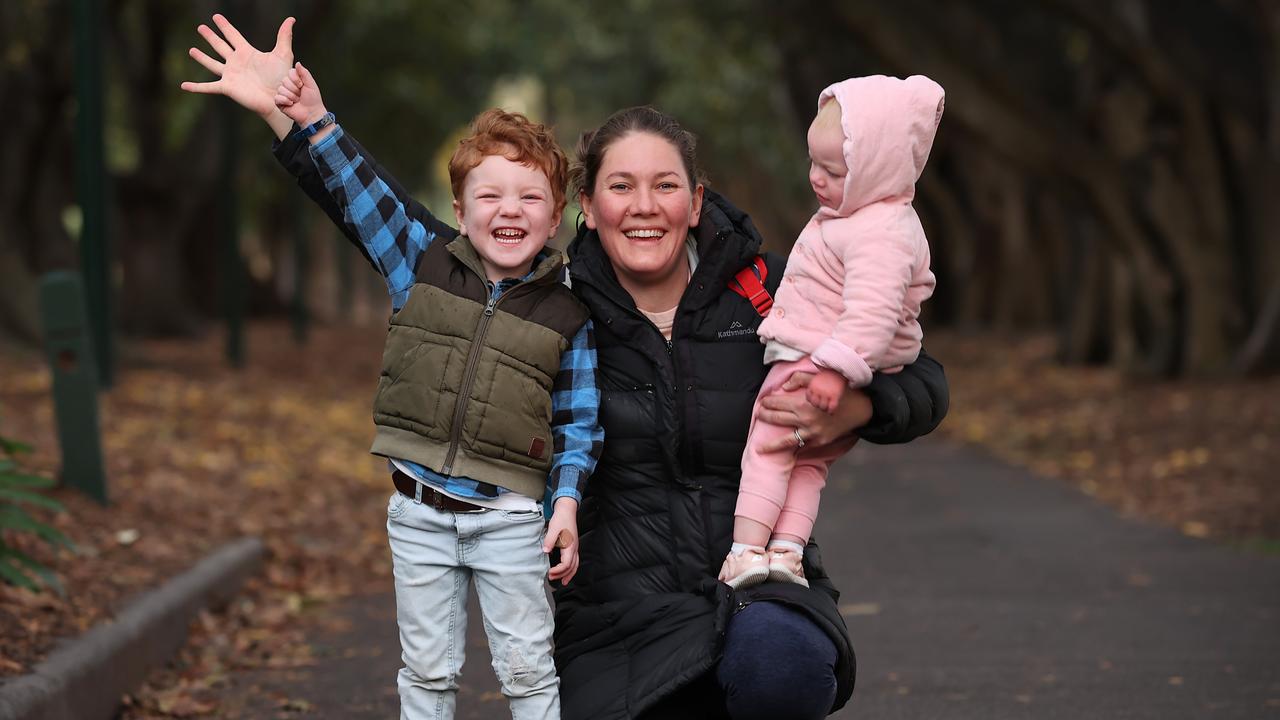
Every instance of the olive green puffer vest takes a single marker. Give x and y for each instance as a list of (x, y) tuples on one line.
[(466, 380)]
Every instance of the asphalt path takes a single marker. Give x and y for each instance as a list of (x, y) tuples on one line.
[(972, 590)]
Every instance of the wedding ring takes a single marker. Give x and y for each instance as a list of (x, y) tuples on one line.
[(799, 440)]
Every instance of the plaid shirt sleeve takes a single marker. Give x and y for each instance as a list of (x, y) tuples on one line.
[(575, 417), (394, 240)]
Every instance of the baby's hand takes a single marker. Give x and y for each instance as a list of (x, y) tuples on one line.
[(825, 390), (298, 96)]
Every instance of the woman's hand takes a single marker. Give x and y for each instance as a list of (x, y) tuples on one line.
[(298, 97), (246, 75), (562, 532), (789, 408)]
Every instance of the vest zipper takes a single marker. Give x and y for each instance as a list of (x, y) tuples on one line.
[(468, 377)]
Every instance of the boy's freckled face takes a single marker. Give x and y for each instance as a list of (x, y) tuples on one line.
[(508, 212), (827, 168)]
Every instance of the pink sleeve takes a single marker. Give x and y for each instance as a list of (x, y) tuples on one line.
[(878, 270)]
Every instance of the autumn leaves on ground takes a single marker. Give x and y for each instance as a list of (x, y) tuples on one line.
[(199, 454)]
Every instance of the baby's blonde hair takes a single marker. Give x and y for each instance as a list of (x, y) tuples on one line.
[(828, 117)]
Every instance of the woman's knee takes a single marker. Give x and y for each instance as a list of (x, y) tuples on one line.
[(777, 663)]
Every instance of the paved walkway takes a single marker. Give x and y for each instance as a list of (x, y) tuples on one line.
[(972, 590)]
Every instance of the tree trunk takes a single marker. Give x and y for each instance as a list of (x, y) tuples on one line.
[(1261, 350), (19, 298), (1031, 137)]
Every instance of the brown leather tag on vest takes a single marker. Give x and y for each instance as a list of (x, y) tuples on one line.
[(536, 447)]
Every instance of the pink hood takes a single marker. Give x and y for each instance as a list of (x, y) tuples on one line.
[(885, 147)]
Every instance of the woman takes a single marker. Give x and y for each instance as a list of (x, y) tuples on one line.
[(645, 629)]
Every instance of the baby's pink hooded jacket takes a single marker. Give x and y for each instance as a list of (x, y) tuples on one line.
[(858, 274)]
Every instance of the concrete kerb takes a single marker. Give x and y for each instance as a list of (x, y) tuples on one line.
[(85, 678)]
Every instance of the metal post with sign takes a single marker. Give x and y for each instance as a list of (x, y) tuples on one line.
[(75, 382)]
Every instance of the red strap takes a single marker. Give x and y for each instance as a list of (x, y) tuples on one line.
[(749, 283)]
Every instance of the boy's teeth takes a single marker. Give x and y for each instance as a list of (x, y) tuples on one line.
[(506, 234)]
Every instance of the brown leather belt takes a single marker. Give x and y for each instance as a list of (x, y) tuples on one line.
[(408, 486)]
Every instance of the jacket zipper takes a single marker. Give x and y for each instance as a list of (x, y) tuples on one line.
[(468, 377), (677, 397)]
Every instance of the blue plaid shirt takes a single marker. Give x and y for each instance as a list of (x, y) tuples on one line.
[(397, 242)]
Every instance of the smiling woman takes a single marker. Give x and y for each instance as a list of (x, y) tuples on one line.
[(638, 185)]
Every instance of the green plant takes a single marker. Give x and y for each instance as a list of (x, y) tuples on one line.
[(18, 490)]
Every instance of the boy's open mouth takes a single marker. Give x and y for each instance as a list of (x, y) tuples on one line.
[(509, 236)]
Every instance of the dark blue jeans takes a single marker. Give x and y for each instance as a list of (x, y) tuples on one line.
[(777, 664)]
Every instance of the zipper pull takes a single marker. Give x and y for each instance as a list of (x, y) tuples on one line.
[(488, 309)]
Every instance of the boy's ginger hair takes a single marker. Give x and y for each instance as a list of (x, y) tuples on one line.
[(518, 139)]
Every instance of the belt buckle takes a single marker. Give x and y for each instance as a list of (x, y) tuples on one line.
[(437, 500)]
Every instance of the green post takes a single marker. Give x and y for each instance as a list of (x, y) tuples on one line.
[(75, 386), (301, 265), (231, 265), (91, 180)]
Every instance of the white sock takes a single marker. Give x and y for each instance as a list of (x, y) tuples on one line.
[(787, 545), (737, 548)]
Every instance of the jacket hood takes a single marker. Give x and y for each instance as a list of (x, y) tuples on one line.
[(889, 125)]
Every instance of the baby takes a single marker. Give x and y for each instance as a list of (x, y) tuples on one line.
[(847, 307)]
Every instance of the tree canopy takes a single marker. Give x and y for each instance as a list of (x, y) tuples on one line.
[(1104, 170)]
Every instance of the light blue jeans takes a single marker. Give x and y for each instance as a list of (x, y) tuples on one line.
[(434, 554)]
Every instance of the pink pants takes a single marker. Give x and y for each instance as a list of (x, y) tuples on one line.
[(781, 489)]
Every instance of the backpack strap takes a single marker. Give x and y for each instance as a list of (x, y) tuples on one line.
[(749, 283)]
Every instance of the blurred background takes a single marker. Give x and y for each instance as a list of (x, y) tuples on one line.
[(1104, 170), (1101, 204)]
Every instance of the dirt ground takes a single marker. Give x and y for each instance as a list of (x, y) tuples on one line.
[(1199, 455), (198, 454)]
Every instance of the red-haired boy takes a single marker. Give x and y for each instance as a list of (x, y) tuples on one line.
[(487, 398)]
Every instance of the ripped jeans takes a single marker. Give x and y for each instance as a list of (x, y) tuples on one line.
[(435, 554)]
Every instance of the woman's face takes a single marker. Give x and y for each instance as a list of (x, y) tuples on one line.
[(642, 206)]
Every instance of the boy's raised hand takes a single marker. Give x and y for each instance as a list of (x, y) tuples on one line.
[(299, 97), (246, 74), (562, 532)]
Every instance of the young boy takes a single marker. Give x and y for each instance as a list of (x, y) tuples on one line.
[(487, 397)]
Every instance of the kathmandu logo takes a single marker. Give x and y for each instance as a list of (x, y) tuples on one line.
[(735, 330)]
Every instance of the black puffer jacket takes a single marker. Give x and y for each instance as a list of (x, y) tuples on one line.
[(645, 614)]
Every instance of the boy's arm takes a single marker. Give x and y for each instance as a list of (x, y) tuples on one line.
[(298, 98), (294, 155), (575, 418), (393, 241)]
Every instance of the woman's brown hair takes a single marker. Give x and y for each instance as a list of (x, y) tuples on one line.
[(593, 144)]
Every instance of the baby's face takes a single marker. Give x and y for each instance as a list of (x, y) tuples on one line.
[(826, 164)]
